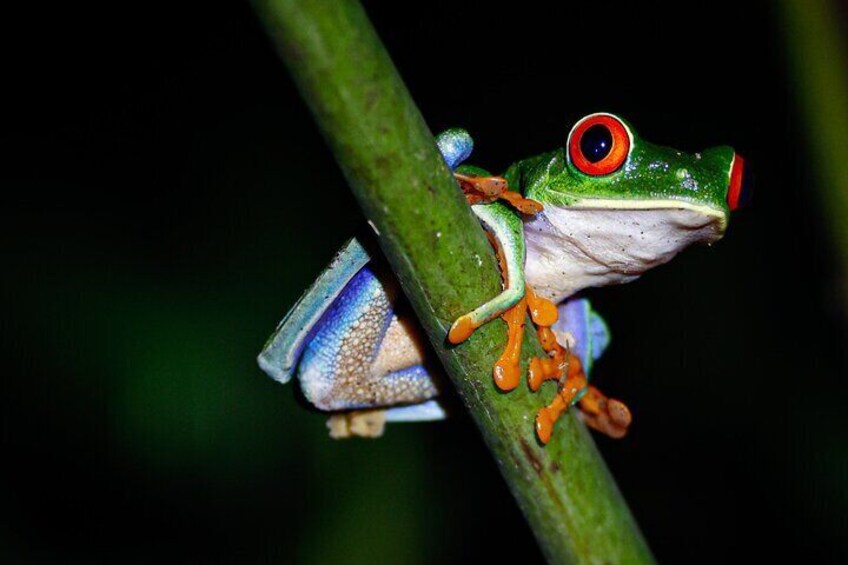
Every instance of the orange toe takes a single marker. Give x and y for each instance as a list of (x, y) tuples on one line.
[(461, 330)]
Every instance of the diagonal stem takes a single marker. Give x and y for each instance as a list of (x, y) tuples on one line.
[(446, 267)]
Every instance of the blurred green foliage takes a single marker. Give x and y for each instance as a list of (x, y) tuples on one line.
[(817, 49)]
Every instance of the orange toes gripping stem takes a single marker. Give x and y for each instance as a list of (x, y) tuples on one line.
[(547, 417), (482, 189), (606, 415), (507, 372), (461, 330), (485, 188), (560, 365), (544, 314), (571, 387), (542, 311), (523, 205)]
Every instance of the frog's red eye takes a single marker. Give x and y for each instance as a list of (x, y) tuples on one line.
[(599, 144)]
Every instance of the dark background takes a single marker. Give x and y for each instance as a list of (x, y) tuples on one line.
[(167, 198)]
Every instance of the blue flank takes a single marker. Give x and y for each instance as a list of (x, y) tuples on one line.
[(279, 356), (319, 365), (355, 325)]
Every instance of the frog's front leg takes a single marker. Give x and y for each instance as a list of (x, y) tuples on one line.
[(507, 232), (478, 185)]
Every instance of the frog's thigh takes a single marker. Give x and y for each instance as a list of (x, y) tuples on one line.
[(362, 355), (400, 376)]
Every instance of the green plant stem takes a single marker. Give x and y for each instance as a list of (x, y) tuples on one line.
[(818, 57), (446, 267)]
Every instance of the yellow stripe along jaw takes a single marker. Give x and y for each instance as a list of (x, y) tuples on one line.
[(720, 216)]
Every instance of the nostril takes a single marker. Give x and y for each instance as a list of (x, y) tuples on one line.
[(741, 188)]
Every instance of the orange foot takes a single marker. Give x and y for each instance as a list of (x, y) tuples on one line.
[(480, 189), (570, 388), (507, 372), (608, 416), (544, 314)]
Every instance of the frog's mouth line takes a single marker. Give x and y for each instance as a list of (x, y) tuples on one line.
[(712, 215)]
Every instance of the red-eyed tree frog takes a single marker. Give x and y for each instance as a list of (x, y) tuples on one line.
[(601, 210)]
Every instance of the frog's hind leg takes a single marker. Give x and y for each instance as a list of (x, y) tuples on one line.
[(364, 358), (504, 227), (280, 355)]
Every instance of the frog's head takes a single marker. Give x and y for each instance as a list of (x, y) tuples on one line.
[(619, 205)]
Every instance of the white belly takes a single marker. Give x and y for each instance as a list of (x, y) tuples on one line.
[(569, 249)]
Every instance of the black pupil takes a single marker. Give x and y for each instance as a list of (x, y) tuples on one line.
[(596, 143)]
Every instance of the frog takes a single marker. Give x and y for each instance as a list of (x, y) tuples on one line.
[(600, 210)]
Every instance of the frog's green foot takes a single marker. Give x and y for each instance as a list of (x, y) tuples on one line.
[(358, 423), (511, 307)]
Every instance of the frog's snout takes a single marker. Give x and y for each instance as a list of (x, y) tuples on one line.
[(741, 188)]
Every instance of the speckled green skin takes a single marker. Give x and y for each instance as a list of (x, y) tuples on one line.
[(597, 230), (650, 173)]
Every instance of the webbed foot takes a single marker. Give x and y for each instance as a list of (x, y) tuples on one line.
[(571, 387), (606, 415), (609, 416), (544, 315)]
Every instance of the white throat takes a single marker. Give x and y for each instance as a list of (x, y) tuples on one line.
[(569, 249)]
